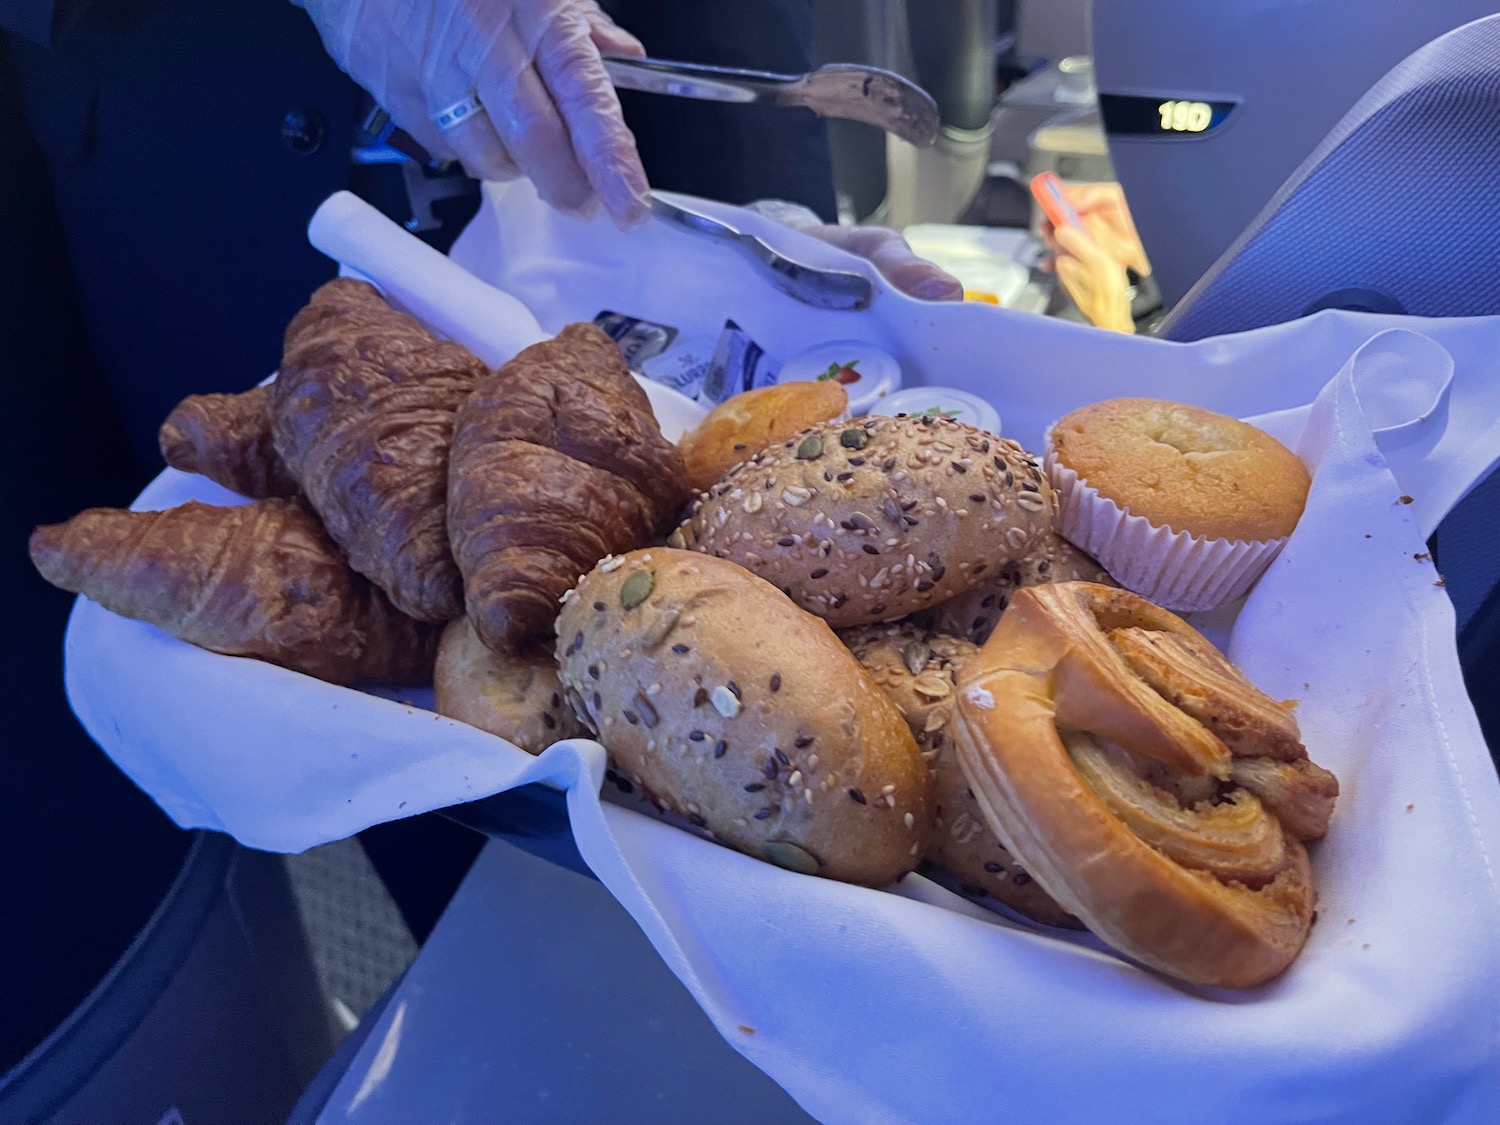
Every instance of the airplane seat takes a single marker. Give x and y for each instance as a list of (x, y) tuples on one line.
[(1397, 211)]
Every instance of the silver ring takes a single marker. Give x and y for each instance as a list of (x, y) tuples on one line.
[(461, 110)]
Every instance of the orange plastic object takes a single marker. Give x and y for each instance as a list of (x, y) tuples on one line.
[(1047, 190)]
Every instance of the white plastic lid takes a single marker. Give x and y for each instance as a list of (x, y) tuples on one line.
[(961, 406), (878, 373)]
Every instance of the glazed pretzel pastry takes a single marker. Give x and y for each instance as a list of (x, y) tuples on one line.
[(1144, 782)]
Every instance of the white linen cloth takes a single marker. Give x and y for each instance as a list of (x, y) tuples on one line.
[(916, 1006)]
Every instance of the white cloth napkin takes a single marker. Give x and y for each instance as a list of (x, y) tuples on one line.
[(916, 1006), (417, 279)]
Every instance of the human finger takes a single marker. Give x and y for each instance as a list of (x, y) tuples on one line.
[(527, 120), (604, 148), (396, 79), (608, 36), (1049, 240), (1073, 275), (1107, 237), (1095, 281), (1106, 206), (1076, 243), (1087, 197), (410, 114), (914, 275), (893, 256), (473, 140), (430, 94), (1125, 222)]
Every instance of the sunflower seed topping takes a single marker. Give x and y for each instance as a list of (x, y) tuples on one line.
[(725, 701)]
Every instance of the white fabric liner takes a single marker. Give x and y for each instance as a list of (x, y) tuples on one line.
[(916, 1006)]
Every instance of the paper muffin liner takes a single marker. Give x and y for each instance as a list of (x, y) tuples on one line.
[(1176, 570)]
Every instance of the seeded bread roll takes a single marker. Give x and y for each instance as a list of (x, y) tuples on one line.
[(973, 614), (742, 426), (876, 518), (918, 669), (738, 711), (516, 696)]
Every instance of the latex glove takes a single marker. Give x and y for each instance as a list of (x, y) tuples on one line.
[(550, 110), (1106, 217), (1094, 279), (882, 247)]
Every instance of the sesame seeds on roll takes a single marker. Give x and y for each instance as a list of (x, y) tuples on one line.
[(876, 518)]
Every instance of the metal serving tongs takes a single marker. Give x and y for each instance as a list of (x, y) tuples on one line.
[(812, 285), (860, 93)]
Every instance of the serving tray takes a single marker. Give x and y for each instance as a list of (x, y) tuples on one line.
[(1387, 1015)]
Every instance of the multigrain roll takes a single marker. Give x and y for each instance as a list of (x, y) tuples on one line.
[(973, 614), (743, 714), (1184, 506), (517, 696), (918, 669), (874, 519), (742, 426)]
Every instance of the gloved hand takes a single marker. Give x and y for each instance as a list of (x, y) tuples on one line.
[(549, 111), (882, 247)]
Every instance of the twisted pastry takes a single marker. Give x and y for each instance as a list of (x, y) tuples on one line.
[(1154, 791)]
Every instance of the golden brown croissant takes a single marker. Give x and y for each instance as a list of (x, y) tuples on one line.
[(362, 413), (227, 438), (557, 461), (260, 580), (1151, 788)]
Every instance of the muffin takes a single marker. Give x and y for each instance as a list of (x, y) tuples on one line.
[(1182, 505)]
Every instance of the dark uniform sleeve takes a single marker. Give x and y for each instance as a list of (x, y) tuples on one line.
[(30, 19), (44, 22), (735, 153)]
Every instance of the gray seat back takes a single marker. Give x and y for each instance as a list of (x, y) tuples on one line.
[(1398, 210)]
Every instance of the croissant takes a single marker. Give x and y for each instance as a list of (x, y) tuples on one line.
[(227, 438), (362, 414), (1155, 792), (261, 580), (557, 461)]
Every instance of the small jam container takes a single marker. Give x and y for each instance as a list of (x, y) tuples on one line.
[(868, 374), (961, 406)]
